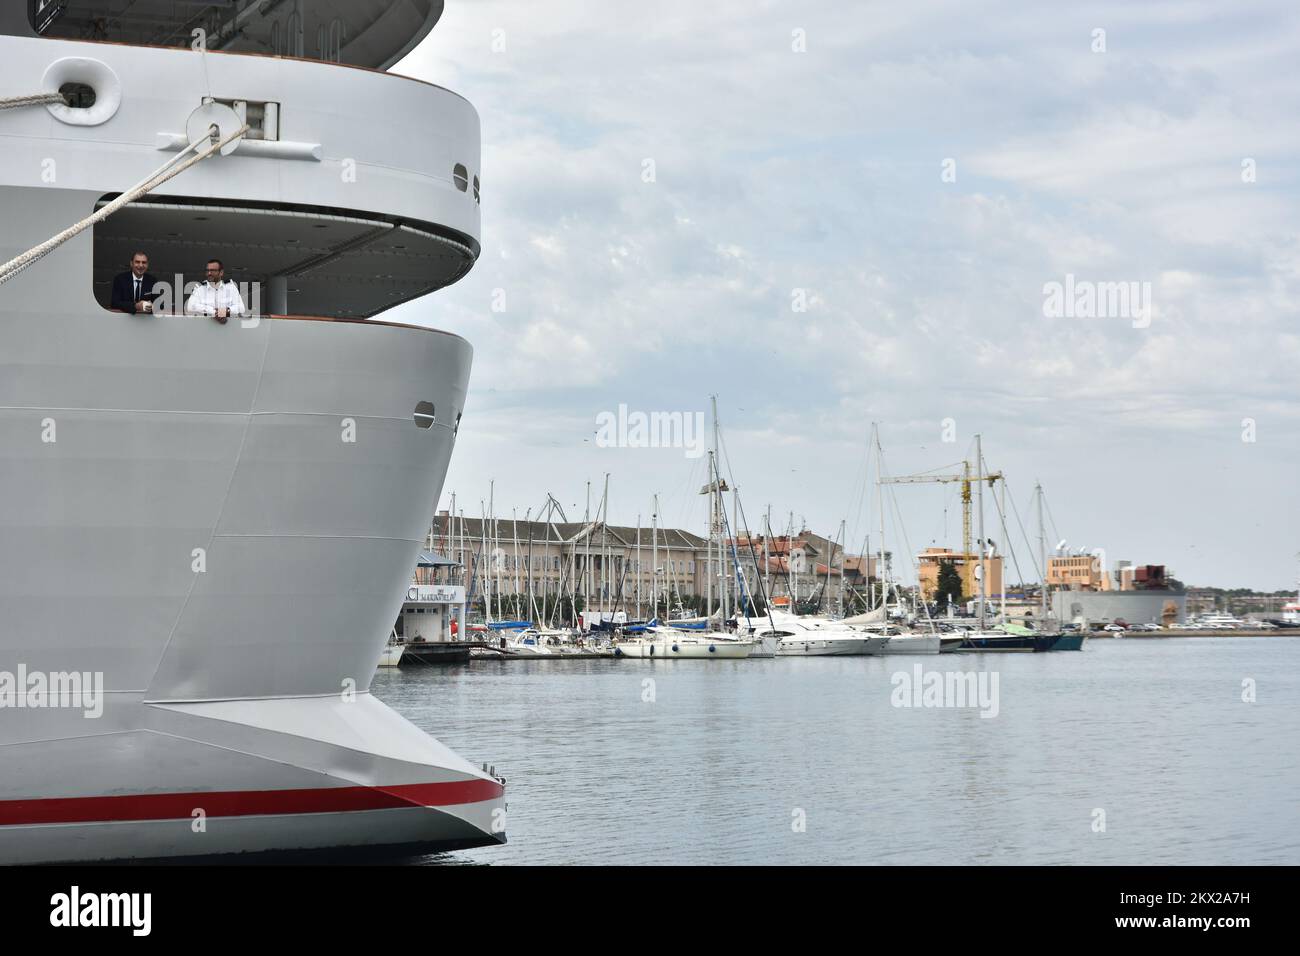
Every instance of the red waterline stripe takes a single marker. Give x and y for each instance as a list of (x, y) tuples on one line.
[(243, 803)]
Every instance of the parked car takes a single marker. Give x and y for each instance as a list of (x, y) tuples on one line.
[(1113, 628)]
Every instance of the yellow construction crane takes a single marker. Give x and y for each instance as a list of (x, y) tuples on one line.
[(966, 479)]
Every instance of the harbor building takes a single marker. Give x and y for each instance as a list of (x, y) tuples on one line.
[(607, 565), (618, 567), (434, 606), (966, 565), (1077, 572), (1135, 594), (804, 566)]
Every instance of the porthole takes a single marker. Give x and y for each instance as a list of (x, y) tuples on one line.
[(461, 176), (476, 188), (424, 414)]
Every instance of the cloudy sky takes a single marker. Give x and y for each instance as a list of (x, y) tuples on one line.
[(854, 211)]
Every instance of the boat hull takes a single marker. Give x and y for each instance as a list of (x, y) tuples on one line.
[(1009, 643), (684, 649), (913, 644), (1069, 642), (831, 646), (157, 781), (220, 526)]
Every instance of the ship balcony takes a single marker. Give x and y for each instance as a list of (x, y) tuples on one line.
[(360, 188), (369, 33), (307, 261)]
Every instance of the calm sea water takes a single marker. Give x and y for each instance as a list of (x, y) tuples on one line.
[(730, 757)]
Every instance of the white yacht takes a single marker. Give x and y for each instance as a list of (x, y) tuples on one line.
[(666, 643), (809, 636), (216, 520)]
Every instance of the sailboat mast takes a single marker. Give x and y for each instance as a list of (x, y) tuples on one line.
[(979, 494), (734, 550), (881, 571), (605, 580), (546, 561), (654, 559), (767, 563), (791, 572), (586, 563), (482, 562), (514, 533), (464, 578), (826, 589), (1002, 514), (719, 507), (451, 525), (1042, 553), (494, 568), (842, 543)]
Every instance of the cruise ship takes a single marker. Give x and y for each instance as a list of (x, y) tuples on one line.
[(213, 520)]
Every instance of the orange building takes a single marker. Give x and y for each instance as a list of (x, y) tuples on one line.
[(965, 564), (1082, 572)]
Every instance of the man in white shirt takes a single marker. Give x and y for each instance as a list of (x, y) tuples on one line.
[(216, 297)]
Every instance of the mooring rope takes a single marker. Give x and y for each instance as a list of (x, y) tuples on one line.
[(172, 168), (35, 99)]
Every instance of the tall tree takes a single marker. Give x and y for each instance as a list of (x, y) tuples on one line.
[(948, 586)]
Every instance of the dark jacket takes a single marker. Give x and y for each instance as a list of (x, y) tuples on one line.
[(124, 298)]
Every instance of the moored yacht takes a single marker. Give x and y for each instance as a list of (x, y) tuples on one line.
[(665, 643), (808, 636), (240, 496)]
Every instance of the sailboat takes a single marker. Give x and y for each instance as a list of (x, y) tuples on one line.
[(1008, 636), (877, 620)]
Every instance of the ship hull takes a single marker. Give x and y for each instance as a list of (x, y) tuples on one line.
[(233, 777), (218, 524)]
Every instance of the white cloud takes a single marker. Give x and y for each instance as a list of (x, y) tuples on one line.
[(821, 170)]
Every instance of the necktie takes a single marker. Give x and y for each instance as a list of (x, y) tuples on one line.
[(137, 290)]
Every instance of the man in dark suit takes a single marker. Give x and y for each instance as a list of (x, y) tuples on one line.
[(133, 291)]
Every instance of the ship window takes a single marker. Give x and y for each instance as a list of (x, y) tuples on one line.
[(461, 176), (476, 188), (79, 96), (424, 414)]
